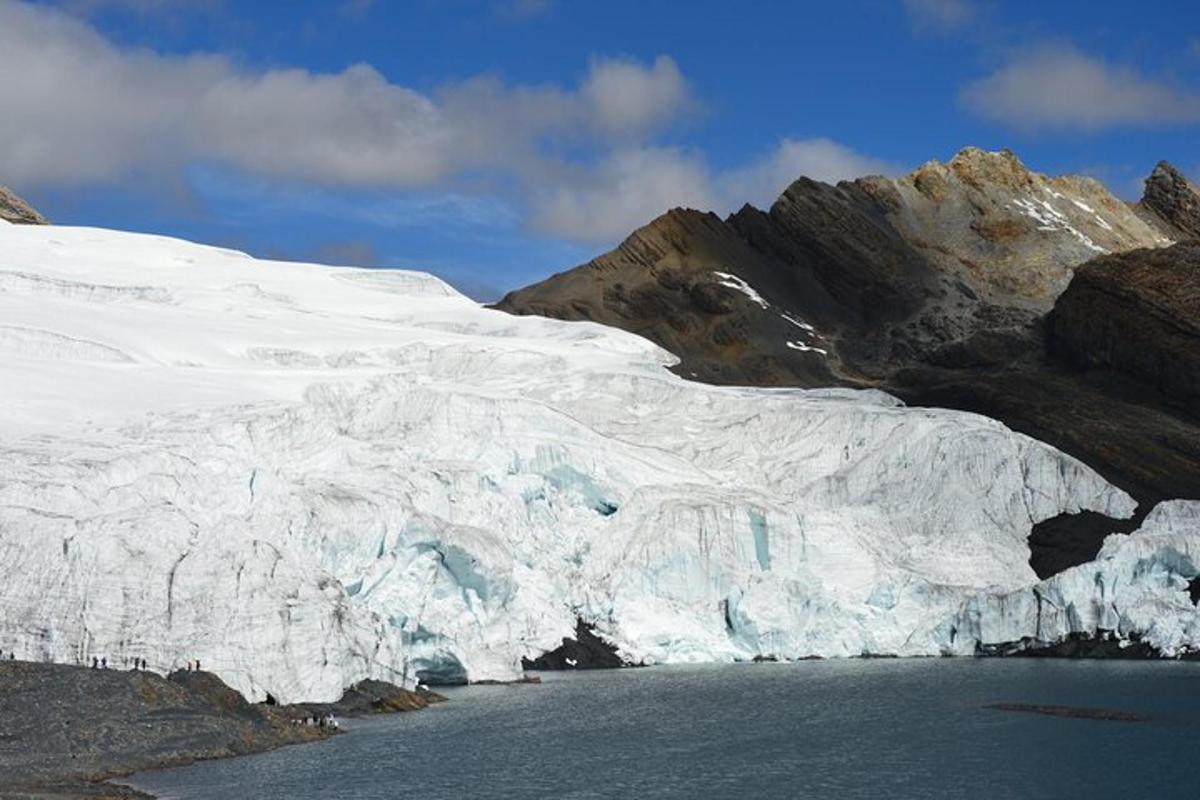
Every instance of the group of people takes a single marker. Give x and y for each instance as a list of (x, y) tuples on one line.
[(12, 656), (135, 663), (318, 721), (101, 662)]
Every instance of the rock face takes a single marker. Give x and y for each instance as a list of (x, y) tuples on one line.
[(935, 287), (15, 210), (1137, 313), (1171, 203), (845, 283)]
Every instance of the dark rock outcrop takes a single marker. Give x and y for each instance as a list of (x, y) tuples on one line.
[(1172, 203), (374, 697), (14, 209), (1137, 313), (1069, 540), (585, 651), (1102, 644), (936, 287)]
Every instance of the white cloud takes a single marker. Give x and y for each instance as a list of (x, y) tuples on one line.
[(940, 15), (624, 97), (1060, 87), (583, 158), (632, 187), (85, 110), (622, 193), (819, 159)]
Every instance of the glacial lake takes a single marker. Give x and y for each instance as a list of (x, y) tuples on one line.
[(838, 729)]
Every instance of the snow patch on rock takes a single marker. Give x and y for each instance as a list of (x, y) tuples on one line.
[(734, 282)]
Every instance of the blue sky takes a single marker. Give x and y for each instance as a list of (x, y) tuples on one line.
[(496, 141)]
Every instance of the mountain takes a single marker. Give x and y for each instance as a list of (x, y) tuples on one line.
[(15, 210), (304, 476), (1171, 203), (1136, 313), (935, 287), (850, 280)]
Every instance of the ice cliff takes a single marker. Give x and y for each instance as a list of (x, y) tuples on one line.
[(304, 475)]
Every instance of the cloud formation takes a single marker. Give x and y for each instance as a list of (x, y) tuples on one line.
[(820, 159), (1055, 86), (87, 111), (634, 186)]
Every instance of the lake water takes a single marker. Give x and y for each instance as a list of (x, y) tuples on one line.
[(845, 729)]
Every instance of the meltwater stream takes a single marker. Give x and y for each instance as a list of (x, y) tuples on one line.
[(845, 729)]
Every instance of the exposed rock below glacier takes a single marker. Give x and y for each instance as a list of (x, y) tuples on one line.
[(1137, 313), (932, 286), (1171, 203), (15, 210), (584, 650), (1137, 589), (307, 476)]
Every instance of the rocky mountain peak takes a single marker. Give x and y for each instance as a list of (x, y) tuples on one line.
[(1174, 199), (979, 167), (14, 209), (1010, 234)]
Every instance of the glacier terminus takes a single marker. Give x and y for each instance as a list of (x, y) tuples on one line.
[(303, 476)]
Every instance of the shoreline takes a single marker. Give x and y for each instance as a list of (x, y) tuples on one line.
[(95, 727), (68, 731)]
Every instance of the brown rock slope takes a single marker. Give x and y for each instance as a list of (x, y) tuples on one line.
[(935, 286), (14, 209), (1136, 313), (852, 280)]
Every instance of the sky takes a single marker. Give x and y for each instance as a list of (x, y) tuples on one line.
[(494, 142)]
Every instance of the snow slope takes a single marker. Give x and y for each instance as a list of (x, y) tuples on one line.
[(305, 475)]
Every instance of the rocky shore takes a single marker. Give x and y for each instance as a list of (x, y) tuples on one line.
[(64, 730)]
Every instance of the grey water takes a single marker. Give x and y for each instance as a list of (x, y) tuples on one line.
[(839, 729)]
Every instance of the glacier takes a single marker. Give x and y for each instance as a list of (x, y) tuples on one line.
[(302, 476)]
